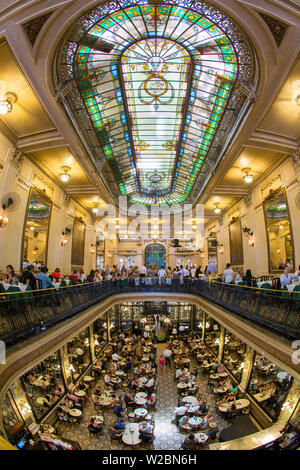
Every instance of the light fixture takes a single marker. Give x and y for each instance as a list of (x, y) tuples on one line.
[(296, 92), (95, 208), (65, 176), (6, 105), (217, 208), (248, 178), (92, 250)]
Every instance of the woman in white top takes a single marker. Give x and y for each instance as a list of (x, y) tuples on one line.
[(228, 274)]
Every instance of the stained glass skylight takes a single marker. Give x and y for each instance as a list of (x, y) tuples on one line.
[(156, 80)]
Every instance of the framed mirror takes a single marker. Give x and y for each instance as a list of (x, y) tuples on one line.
[(36, 230), (279, 232)]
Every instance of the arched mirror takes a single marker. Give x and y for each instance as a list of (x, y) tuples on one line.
[(279, 232), (36, 230)]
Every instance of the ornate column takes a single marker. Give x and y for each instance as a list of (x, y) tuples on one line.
[(66, 367), (92, 342), (247, 369), (203, 326), (222, 343)]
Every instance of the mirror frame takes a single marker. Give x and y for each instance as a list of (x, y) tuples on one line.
[(276, 194), (49, 202)]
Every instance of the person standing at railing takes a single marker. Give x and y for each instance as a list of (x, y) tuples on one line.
[(228, 275)]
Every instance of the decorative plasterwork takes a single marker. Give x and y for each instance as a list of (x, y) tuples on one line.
[(295, 156), (33, 27), (17, 158), (248, 200), (41, 183), (277, 28), (270, 182)]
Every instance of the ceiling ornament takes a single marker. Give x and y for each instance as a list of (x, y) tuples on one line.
[(17, 158), (277, 28), (169, 76), (33, 27)]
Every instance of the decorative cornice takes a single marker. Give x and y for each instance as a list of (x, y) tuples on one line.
[(41, 183), (295, 156), (270, 182)]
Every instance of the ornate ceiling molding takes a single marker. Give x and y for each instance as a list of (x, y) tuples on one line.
[(277, 28), (33, 27)]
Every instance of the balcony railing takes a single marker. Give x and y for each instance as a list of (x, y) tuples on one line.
[(29, 312)]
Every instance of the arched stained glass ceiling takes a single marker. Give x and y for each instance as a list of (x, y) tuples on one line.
[(156, 80)]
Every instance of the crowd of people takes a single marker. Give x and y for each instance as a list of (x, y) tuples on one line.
[(45, 279)]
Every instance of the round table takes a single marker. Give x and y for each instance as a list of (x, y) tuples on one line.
[(182, 386), (190, 400), (141, 395), (221, 390), (140, 412), (80, 393), (240, 404), (195, 421), (140, 401), (75, 413), (87, 378), (131, 434), (145, 359), (202, 437)]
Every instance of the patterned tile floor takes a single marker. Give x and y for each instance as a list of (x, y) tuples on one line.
[(167, 436)]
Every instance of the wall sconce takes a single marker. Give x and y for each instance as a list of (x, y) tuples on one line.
[(3, 214), (92, 250), (6, 105), (63, 240), (248, 230)]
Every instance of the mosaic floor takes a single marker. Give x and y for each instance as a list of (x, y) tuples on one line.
[(167, 436)]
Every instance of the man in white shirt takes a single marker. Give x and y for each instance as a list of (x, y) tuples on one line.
[(143, 271), (185, 272), (150, 383), (168, 354), (228, 274), (212, 267), (286, 278), (115, 357), (161, 274), (178, 373), (179, 412)]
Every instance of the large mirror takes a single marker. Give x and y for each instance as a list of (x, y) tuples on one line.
[(36, 230), (279, 233)]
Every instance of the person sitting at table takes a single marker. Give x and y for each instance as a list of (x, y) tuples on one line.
[(145, 432), (195, 372), (94, 427), (128, 399), (205, 421), (60, 391), (28, 277), (183, 422), (150, 383), (116, 433), (212, 431), (83, 386), (107, 381), (120, 424), (179, 412), (10, 274), (248, 278), (231, 412), (151, 401), (115, 357), (134, 384), (62, 414), (286, 278), (118, 409), (234, 389), (190, 443), (56, 275), (202, 407), (178, 373), (44, 278), (128, 364)]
